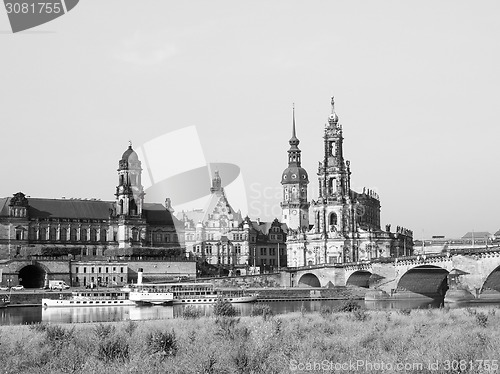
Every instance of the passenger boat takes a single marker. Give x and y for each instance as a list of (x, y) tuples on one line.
[(151, 294), (187, 293), (206, 293), (90, 298)]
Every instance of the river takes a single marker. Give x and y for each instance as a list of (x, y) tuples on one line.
[(28, 315)]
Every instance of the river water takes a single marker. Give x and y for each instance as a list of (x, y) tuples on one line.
[(28, 315)]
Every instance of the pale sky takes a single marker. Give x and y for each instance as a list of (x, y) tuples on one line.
[(416, 86)]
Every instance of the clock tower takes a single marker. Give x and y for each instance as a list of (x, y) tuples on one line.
[(295, 207)]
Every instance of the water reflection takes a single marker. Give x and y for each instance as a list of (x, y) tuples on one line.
[(28, 315)]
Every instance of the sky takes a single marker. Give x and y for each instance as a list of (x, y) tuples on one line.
[(415, 86)]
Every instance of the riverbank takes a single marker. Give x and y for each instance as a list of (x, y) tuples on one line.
[(419, 340)]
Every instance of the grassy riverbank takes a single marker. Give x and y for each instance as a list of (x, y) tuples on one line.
[(276, 344)]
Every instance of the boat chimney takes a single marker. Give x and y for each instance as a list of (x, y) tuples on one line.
[(139, 276)]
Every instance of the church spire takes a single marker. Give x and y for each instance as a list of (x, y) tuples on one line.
[(294, 151), (294, 141)]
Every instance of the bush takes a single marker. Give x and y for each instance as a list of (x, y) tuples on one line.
[(263, 310), (360, 315), (405, 311), (113, 348), (58, 335), (191, 312), (481, 319), (102, 331), (38, 327), (224, 308), (163, 343), (348, 306), (325, 311)]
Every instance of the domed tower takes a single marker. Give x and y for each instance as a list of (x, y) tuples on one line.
[(130, 201), (129, 192), (295, 207)]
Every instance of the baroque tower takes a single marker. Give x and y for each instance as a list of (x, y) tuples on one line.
[(130, 200), (295, 207)]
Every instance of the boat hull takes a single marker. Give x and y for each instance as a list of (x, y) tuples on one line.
[(54, 303), (213, 299)]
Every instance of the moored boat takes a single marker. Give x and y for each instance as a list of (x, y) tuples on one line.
[(90, 298), (151, 294), (187, 293)]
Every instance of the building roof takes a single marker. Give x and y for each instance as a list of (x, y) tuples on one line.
[(478, 234), (155, 213)]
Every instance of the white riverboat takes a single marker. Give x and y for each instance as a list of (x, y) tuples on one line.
[(151, 293), (187, 293), (90, 298)]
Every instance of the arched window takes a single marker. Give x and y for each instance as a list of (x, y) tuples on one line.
[(43, 234), (83, 235), (73, 235), (135, 234), (52, 234), (63, 234), (332, 219), (93, 235), (132, 207), (121, 206), (104, 235)]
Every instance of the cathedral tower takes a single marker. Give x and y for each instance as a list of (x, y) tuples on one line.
[(333, 212), (294, 180)]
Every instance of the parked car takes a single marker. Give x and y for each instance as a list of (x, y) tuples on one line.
[(4, 288), (18, 288)]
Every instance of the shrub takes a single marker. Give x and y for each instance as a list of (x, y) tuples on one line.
[(163, 343), (360, 315), (227, 327), (102, 331), (224, 308), (113, 348), (38, 327), (325, 311), (481, 319), (348, 306), (58, 335), (405, 311), (263, 310), (191, 312), (130, 327)]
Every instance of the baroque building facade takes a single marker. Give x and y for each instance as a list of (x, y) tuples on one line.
[(90, 228), (346, 224), (219, 236)]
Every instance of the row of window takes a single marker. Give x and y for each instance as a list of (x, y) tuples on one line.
[(210, 247), (99, 269), (100, 280)]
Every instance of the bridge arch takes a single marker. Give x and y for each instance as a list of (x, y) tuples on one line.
[(426, 280), (32, 276), (309, 280), (360, 278), (492, 282)]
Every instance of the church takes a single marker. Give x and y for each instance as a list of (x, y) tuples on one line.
[(91, 228), (345, 224)]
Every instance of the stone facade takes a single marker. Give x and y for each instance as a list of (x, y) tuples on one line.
[(219, 236), (346, 226), (90, 228)]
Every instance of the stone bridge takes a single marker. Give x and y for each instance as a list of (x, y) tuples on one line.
[(475, 270)]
